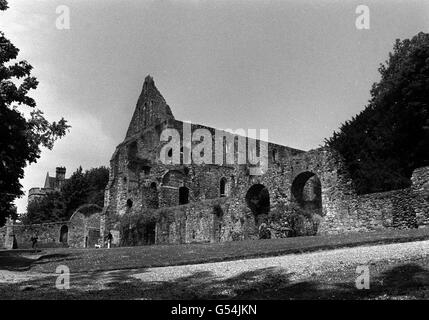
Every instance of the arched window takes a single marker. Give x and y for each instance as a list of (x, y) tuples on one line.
[(223, 187), (183, 195)]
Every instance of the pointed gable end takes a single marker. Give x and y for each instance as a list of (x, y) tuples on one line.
[(151, 109)]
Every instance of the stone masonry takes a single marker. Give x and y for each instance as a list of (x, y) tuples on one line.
[(300, 193)]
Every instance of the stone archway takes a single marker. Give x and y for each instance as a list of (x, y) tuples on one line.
[(258, 201), (307, 192)]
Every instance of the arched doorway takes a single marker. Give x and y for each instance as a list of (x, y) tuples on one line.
[(64, 231), (307, 192), (258, 200), (183, 195)]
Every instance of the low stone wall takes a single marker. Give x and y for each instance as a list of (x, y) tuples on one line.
[(48, 234), (391, 209), (3, 231), (193, 222), (81, 231), (404, 208), (213, 220), (420, 195), (84, 231)]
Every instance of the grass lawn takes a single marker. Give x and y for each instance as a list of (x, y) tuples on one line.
[(88, 260)]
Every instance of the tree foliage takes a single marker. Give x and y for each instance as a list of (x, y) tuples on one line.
[(46, 209), (21, 137), (385, 142), (85, 187), (81, 188)]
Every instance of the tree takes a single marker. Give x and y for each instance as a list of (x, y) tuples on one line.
[(81, 188), (21, 137), (47, 209), (385, 142), (85, 188)]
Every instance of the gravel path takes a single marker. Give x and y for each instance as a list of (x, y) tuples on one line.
[(298, 265)]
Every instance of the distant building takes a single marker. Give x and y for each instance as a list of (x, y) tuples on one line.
[(51, 184)]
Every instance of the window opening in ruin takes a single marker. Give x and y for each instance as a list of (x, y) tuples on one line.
[(258, 199), (183, 195), (223, 187), (129, 203), (274, 155), (64, 234)]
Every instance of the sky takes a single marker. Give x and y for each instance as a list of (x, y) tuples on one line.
[(297, 68)]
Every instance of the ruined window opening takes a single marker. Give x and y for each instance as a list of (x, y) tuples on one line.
[(183, 195), (258, 199), (64, 234), (129, 203), (170, 153), (223, 187), (274, 155)]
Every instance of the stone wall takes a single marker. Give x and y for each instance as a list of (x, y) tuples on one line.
[(420, 195), (3, 231), (81, 231), (84, 230), (404, 208), (312, 186), (212, 220), (48, 234)]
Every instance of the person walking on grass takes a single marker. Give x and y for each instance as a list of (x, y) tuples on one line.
[(109, 240), (34, 239)]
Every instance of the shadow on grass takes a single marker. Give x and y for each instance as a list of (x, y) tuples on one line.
[(409, 280), (21, 262)]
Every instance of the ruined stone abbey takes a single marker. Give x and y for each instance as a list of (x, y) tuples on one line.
[(149, 200), (300, 193)]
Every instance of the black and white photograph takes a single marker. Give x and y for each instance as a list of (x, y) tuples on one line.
[(201, 152)]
